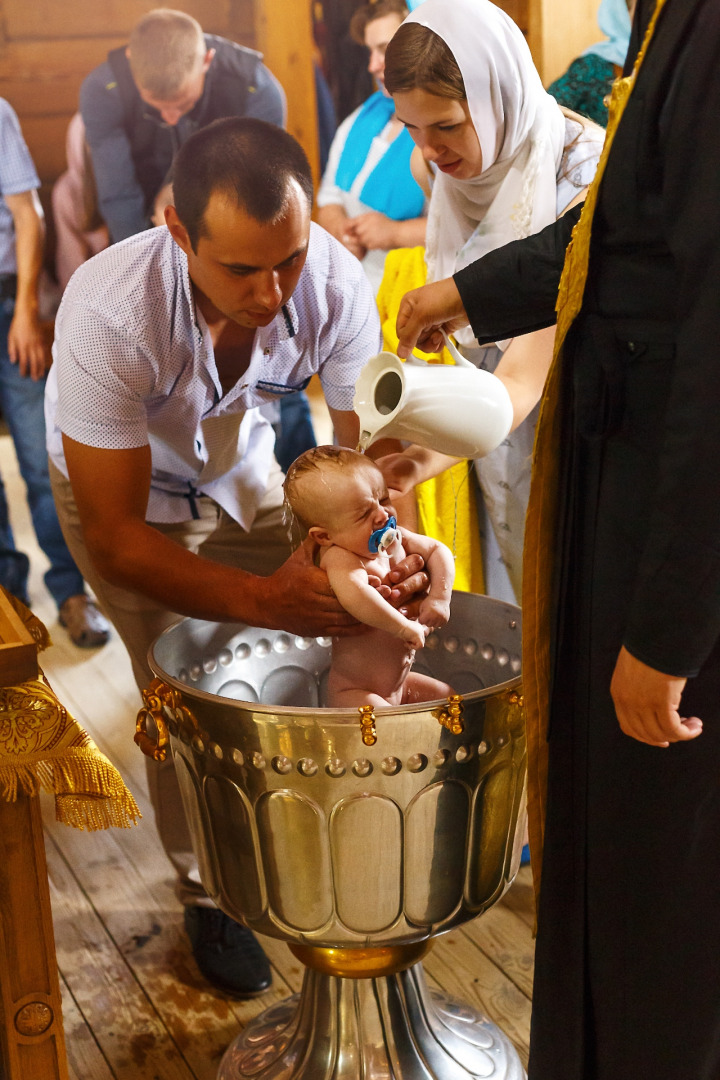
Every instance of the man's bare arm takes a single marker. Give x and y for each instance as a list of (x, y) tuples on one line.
[(111, 490)]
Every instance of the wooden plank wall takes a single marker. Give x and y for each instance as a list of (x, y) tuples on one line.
[(47, 47)]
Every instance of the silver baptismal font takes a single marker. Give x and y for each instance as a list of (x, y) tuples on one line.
[(356, 837)]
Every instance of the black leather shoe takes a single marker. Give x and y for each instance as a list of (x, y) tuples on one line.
[(228, 954)]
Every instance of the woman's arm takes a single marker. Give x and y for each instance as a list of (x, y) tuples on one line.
[(333, 218), (523, 369), (415, 464)]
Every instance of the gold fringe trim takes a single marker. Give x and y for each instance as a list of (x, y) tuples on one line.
[(89, 791)]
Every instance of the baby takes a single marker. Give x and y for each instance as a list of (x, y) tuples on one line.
[(341, 498)]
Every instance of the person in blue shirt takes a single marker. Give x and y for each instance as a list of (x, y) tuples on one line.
[(24, 361)]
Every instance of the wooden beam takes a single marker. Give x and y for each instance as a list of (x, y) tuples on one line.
[(32, 1042), (284, 36), (558, 32)]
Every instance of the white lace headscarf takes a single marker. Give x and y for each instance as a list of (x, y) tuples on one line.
[(521, 132)]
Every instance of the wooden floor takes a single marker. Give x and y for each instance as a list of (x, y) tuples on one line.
[(135, 1006)]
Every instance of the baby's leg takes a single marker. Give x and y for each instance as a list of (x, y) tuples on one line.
[(424, 688), (353, 698)]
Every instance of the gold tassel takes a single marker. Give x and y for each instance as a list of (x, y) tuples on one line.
[(89, 791)]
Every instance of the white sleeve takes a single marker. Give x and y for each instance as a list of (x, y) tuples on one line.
[(329, 194)]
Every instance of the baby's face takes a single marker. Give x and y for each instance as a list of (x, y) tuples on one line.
[(360, 504)]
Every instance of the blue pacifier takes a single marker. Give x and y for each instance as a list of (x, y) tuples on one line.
[(385, 537)]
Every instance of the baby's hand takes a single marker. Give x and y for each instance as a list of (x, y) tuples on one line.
[(414, 634), (434, 612)]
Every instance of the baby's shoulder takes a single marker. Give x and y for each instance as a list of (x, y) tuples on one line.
[(338, 557)]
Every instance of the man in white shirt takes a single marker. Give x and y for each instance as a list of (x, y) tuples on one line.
[(163, 467)]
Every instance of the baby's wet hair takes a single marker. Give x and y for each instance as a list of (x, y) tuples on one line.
[(313, 462)]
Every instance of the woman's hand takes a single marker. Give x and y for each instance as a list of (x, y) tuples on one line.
[(373, 231), (422, 314)]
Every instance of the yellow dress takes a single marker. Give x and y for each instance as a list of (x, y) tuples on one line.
[(446, 505)]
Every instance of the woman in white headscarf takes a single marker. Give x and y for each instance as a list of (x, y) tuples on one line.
[(504, 160)]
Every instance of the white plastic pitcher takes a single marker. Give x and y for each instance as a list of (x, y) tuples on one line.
[(458, 410)]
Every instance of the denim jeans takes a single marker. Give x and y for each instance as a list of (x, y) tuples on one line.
[(14, 564), (294, 433), (22, 405)]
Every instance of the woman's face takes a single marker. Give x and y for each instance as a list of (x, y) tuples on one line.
[(377, 38), (443, 130)]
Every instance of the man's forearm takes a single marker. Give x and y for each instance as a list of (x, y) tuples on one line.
[(141, 558), (295, 598)]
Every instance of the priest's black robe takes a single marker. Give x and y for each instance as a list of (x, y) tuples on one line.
[(627, 980)]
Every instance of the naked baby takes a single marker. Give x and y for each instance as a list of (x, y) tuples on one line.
[(341, 498)]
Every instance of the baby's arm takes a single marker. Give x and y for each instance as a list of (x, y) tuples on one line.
[(440, 566), (349, 581)]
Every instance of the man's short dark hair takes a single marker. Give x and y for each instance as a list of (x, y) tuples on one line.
[(248, 159)]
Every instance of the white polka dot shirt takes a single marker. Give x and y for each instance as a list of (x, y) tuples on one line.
[(134, 365), (17, 174)]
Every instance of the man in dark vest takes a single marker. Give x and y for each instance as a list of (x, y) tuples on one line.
[(145, 100), (142, 104)]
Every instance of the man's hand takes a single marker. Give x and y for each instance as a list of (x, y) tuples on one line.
[(408, 585), (26, 345), (424, 311), (298, 598), (647, 702)]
